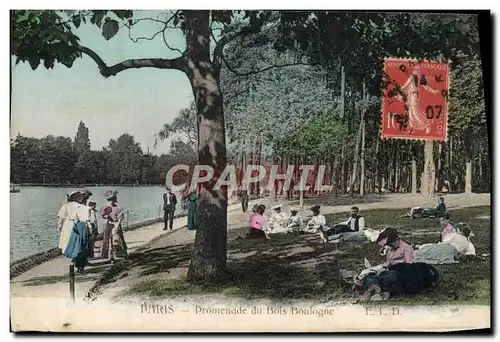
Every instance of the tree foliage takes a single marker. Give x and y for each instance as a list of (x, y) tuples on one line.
[(55, 160)]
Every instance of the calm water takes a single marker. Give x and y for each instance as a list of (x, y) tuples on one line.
[(33, 213)]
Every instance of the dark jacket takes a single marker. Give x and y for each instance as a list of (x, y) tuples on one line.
[(173, 201)]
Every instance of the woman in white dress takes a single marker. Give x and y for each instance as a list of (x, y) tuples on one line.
[(77, 249), (65, 225)]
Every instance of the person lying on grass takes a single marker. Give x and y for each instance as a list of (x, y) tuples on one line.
[(351, 229), (438, 211), (398, 280), (454, 246), (399, 274)]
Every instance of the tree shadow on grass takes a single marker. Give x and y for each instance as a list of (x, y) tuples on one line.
[(299, 267), (159, 260)]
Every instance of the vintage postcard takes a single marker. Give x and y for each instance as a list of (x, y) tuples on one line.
[(249, 171)]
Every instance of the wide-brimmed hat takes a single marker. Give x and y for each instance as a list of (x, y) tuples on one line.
[(72, 195), (294, 209), (315, 207), (388, 236), (86, 193), (110, 194), (277, 206)]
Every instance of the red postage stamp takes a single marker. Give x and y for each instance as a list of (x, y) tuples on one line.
[(415, 100)]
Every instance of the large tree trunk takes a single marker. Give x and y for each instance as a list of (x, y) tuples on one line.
[(208, 260)]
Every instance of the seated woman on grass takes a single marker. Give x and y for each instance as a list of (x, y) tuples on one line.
[(278, 219), (294, 223), (399, 275), (438, 211), (316, 222), (396, 249), (257, 224)]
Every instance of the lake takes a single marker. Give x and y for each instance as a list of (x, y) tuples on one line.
[(33, 213)]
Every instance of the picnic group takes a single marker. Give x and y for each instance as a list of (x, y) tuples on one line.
[(407, 269)]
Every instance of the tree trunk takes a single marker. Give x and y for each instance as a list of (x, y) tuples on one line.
[(395, 165), (468, 142), (376, 176), (342, 92), (355, 162), (335, 176), (343, 173), (208, 259), (413, 176), (428, 174), (439, 169), (362, 162)]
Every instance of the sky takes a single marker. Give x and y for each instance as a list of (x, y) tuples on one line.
[(136, 101)]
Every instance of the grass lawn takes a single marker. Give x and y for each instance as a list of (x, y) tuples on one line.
[(299, 268)]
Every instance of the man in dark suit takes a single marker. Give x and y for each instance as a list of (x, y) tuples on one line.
[(169, 203)]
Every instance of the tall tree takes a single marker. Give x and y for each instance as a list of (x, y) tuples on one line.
[(124, 160), (82, 141)]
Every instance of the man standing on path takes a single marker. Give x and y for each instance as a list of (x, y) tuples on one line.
[(243, 197), (169, 203)]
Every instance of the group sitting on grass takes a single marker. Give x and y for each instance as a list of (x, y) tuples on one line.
[(408, 268)]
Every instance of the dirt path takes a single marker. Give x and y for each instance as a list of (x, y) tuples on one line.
[(176, 267)]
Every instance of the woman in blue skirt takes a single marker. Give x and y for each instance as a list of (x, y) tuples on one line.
[(79, 242)]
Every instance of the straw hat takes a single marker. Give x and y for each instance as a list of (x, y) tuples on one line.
[(110, 194), (71, 196), (277, 206)]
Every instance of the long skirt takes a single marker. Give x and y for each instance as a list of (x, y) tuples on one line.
[(436, 254), (113, 241), (404, 278), (256, 234), (191, 216), (78, 245)]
